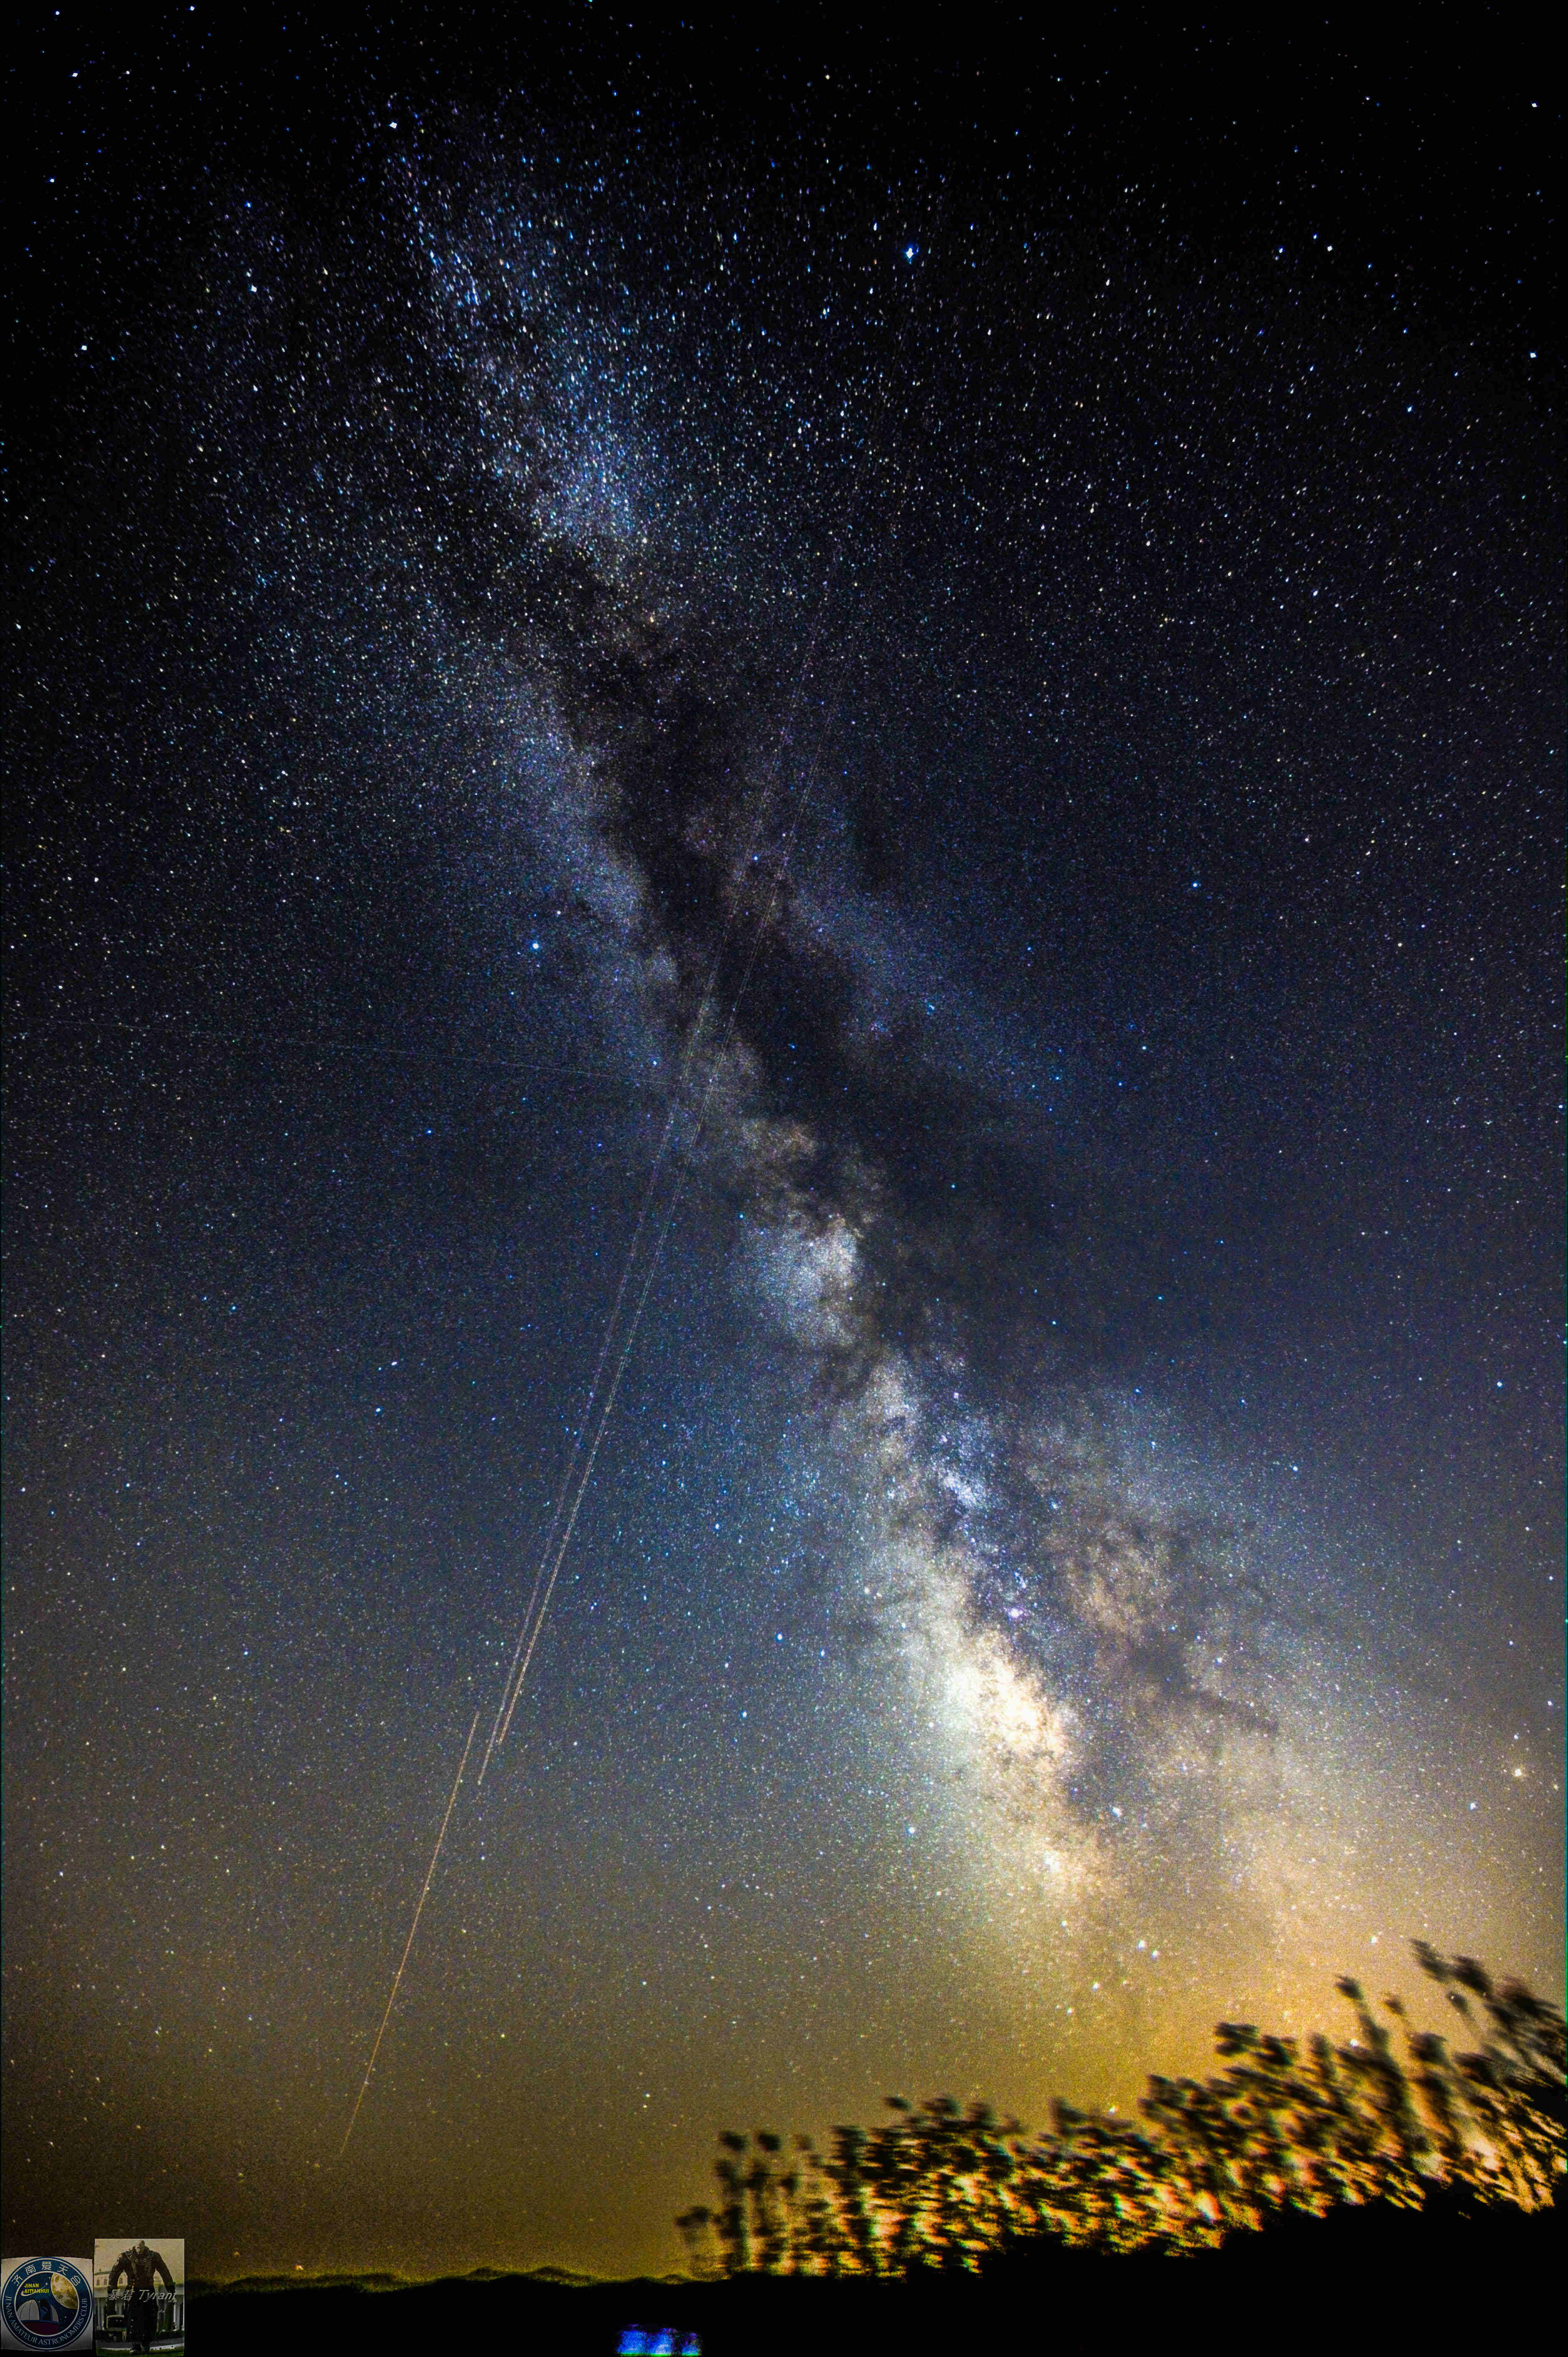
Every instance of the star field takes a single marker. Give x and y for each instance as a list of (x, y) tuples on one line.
[(931, 684)]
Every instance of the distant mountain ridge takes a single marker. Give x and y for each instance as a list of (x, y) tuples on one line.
[(374, 2280)]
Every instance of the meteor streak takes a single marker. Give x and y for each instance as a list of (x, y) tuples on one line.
[(554, 1549), (683, 1173), (637, 1278), (419, 1910), (554, 1554)]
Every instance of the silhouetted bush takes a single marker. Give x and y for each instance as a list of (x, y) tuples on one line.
[(1279, 2132)]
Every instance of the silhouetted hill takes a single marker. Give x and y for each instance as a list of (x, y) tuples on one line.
[(1405, 2272)]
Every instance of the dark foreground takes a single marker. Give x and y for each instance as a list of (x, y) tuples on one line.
[(1325, 2283)]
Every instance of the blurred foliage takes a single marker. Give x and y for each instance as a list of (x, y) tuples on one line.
[(1279, 2130)]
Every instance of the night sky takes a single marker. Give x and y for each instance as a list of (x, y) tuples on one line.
[(910, 697)]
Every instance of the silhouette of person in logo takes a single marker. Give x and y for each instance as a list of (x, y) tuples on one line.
[(141, 2268)]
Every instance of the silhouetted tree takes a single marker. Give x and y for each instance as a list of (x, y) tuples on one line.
[(1277, 2131)]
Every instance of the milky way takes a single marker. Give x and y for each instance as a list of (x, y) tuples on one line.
[(942, 753)]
